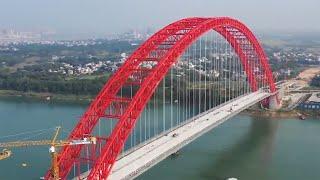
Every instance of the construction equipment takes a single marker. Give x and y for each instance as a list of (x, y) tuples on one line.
[(53, 145), (5, 154)]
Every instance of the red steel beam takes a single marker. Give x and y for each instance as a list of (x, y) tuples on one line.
[(194, 28)]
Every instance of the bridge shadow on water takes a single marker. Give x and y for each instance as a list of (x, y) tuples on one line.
[(240, 148), (249, 158)]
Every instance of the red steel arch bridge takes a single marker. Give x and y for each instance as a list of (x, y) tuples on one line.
[(183, 81)]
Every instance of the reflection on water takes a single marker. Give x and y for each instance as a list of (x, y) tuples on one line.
[(248, 148), (259, 139)]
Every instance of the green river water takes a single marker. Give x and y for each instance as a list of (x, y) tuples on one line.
[(245, 147)]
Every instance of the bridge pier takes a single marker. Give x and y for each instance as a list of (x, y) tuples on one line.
[(274, 102)]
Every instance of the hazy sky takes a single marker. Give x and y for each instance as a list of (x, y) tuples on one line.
[(112, 16)]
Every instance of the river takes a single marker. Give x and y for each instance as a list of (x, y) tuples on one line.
[(245, 147)]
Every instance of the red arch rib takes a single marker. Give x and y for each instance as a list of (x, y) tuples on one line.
[(181, 34)]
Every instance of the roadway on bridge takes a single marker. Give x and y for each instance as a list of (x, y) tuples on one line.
[(147, 155)]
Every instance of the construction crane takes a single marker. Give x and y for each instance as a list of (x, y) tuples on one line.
[(54, 143)]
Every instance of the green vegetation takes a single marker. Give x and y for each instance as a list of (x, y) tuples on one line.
[(28, 68), (50, 83), (81, 68)]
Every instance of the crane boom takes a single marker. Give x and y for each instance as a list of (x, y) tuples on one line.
[(59, 143), (32, 143), (53, 142)]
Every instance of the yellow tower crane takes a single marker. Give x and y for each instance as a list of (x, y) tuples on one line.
[(53, 145)]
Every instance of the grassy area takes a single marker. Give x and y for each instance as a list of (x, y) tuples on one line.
[(203, 85), (89, 76), (27, 62)]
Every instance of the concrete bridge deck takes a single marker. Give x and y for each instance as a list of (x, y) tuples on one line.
[(139, 160)]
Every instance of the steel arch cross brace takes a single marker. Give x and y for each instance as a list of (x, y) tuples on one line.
[(89, 119), (185, 32)]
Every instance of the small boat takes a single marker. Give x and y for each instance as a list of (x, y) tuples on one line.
[(301, 116), (5, 154)]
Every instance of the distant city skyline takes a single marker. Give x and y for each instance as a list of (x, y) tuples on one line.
[(101, 18)]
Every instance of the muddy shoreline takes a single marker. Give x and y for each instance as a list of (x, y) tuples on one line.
[(281, 114)]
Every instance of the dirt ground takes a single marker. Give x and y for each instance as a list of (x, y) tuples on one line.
[(308, 74)]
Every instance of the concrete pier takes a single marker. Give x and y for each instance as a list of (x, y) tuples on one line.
[(274, 102)]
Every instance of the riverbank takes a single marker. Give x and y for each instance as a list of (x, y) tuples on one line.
[(281, 114), (47, 96), (86, 99), (272, 114)]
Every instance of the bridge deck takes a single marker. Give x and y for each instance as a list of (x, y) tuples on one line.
[(144, 157)]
